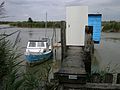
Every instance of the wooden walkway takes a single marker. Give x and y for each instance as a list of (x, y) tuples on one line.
[(72, 69), (76, 64), (73, 63)]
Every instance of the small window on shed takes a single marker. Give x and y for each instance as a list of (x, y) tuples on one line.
[(32, 44)]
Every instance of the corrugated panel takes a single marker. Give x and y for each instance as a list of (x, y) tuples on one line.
[(95, 21)]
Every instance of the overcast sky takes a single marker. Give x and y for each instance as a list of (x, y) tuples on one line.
[(36, 9)]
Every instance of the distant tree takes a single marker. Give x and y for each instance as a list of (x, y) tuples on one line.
[(116, 27), (30, 20)]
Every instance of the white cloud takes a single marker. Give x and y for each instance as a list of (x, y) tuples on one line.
[(21, 9)]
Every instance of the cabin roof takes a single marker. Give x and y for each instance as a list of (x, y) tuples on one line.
[(37, 40), (42, 40)]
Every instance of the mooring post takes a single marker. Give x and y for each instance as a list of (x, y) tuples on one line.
[(63, 40), (118, 78)]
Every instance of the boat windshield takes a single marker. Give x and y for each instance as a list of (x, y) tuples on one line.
[(32, 44), (41, 44)]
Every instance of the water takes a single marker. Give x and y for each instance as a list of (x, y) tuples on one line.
[(107, 53), (33, 34)]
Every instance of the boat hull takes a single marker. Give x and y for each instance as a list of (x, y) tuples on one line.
[(39, 58)]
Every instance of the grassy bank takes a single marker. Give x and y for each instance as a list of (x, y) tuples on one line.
[(108, 26), (111, 26), (41, 24)]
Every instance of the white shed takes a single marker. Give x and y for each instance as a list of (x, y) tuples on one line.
[(77, 19)]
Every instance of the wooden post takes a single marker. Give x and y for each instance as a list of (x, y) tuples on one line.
[(118, 78), (95, 78), (63, 40), (108, 78)]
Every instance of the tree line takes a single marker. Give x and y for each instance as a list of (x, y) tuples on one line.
[(36, 24), (111, 26), (33, 24), (108, 26)]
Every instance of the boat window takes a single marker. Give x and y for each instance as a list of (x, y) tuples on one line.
[(32, 44), (40, 44)]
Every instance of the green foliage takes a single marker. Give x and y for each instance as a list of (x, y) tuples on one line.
[(31, 82), (13, 79), (3, 58), (108, 69), (36, 24), (111, 26), (30, 20), (41, 73), (9, 66)]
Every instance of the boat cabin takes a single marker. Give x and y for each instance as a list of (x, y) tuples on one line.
[(38, 46), (38, 50)]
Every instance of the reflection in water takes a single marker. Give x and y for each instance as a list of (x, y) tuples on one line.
[(44, 71), (41, 71), (108, 52), (30, 34), (95, 66)]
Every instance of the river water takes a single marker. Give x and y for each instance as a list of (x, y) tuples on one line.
[(27, 34), (106, 56), (107, 53)]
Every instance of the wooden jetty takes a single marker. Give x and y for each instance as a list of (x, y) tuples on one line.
[(76, 65), (77, 47), (73, 62), (72, 69)]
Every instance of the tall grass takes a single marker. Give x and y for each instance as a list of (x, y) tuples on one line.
[(107, 69), (40, 24), (10, 76), (9, 65), (112, 26)]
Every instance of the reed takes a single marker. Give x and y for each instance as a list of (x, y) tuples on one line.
[(11, 77)]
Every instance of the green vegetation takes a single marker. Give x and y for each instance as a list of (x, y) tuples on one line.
[(5, 22), (111, 26), (108, 26), (9, 63), (33, 24), (12, 76), (41, 24), (30, 20), (107, 69)]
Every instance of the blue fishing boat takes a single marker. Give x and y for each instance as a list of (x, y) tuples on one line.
[(38, 50)]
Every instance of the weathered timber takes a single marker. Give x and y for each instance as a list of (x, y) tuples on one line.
[(87, 62), (108, 78), (72, 69), (63, 40), (118, 78), (73, 63), (91, 86)]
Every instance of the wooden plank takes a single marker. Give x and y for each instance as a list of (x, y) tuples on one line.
[(63, 40), (73, 63), (101, 86)]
